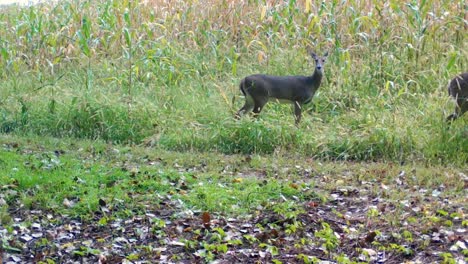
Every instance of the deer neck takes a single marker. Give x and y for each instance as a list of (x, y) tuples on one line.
[(316, 79)]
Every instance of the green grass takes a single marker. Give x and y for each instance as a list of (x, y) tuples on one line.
[(41, 173), (130, 73), (41, 177), (101, 183)]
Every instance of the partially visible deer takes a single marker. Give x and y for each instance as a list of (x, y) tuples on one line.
[(258, 89), (458, 89)]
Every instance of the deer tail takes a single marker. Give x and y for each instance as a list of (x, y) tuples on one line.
[(242, 87)]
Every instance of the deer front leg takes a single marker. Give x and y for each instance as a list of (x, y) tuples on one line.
[(460, 109), (297, 112)]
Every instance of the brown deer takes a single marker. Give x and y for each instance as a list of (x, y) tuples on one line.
[(258, 89), (458, 89)]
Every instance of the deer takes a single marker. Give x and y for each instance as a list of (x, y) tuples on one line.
[(458, 90), (258, 89)]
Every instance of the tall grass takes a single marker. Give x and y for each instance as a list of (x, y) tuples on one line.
[(124, 71)]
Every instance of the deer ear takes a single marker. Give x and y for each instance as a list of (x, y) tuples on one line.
[(313, 54), (326, 54)]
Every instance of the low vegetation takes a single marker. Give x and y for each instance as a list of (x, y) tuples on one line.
[(67, 200), (126, 71), (118, 142)]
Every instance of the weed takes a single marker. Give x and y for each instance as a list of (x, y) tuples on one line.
[(328, 237)]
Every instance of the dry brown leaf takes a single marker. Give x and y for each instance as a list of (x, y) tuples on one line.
[(102, 259), (294, 185), (370, 237), (237, 180), (206, 218)]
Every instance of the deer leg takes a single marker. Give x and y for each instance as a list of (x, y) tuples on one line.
[(460, 109), (297, 112), (248, 106), (451, 117), (463, 106), (259, 104)]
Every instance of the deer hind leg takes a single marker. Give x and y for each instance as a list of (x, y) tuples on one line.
[(462, 106), (451, 117), (297, 112), (248, 106), (460, 109), (259, 104)]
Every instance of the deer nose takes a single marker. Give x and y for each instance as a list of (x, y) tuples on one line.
[(319, 67)]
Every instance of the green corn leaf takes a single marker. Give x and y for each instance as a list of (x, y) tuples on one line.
[(4, 53), (127, 17), (451, 61), (86, 27), (127, 36), (83, 44)]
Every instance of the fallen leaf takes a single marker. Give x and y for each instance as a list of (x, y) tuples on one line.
[(368, 254), (26, 238), (206, 218), (294, 186), (102, 259), (262, 254), (15, 259), (461, 245), (37, 235), (67, 203), (160, 249), (176, 243), (339, 182), (237, 180), (381, 207), (369, 251), (370, 237)]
